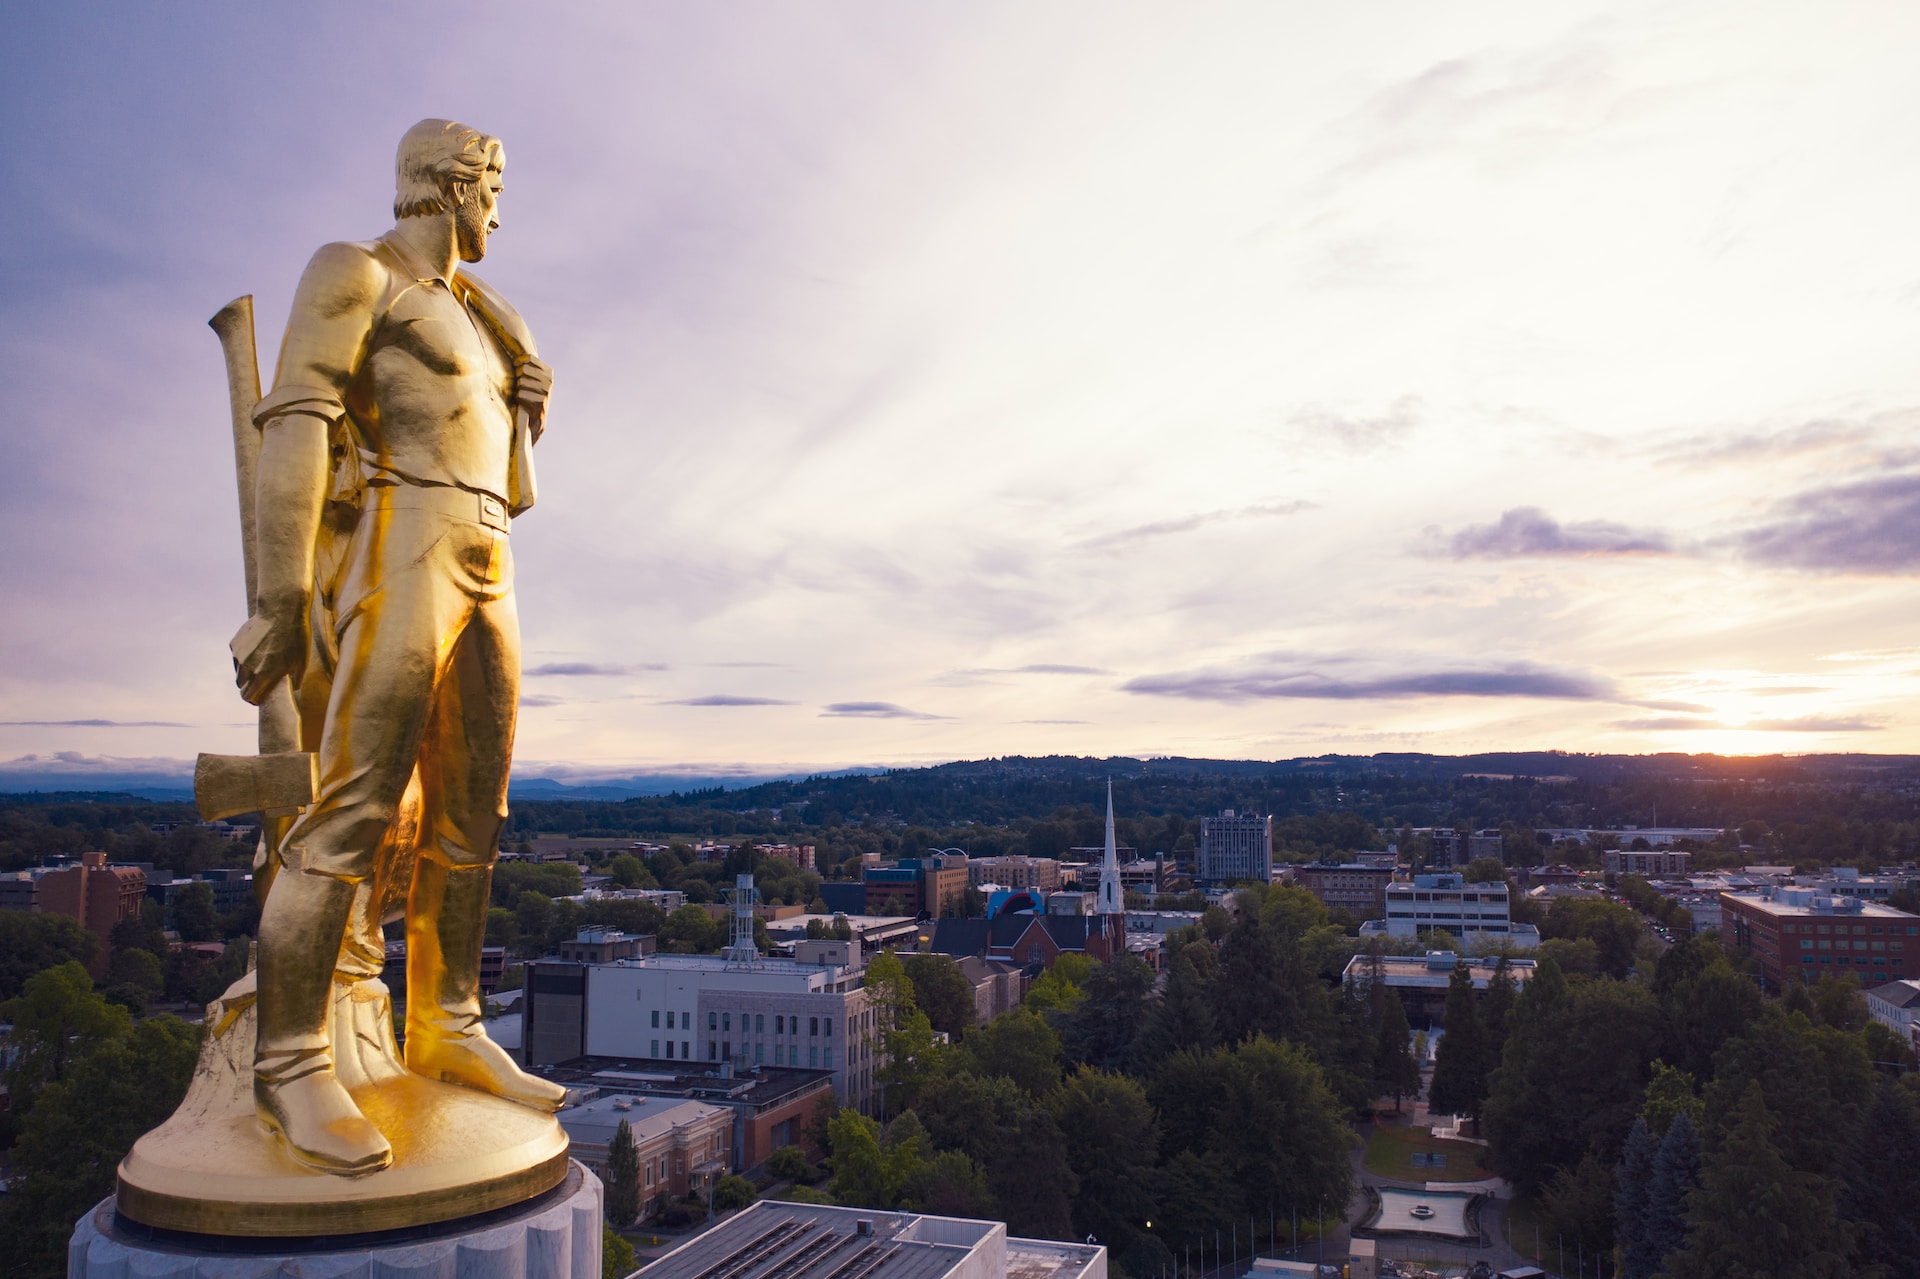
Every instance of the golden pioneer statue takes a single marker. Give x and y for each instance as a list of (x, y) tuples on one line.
[(378, 479)]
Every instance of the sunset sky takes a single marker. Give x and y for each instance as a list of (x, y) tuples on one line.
[(939, 381)]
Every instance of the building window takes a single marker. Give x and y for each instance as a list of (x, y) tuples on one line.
[(686, 1049), (713, 1020), (759, 1053), (656, 1048), (759, 1023), (779, 1024), (726, 1049), (726, 1021), (669, 1050), (813, 1025), (829, 1020), (779, 1054), (813, 1057), (656, 1024), (827, 1060)]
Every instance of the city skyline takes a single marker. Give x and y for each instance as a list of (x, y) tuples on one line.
[(1235, 382)]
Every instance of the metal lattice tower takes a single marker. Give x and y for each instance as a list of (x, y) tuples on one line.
[(741, 951)]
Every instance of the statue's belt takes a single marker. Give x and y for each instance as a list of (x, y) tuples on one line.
[(462, 504)]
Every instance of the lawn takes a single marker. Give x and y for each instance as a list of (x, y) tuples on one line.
[(1391, 1151)]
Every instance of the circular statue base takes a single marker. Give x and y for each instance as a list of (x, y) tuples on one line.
[(554, 1236), (212, 1169)]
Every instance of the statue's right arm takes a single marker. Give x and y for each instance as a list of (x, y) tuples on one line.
[(326, 342)]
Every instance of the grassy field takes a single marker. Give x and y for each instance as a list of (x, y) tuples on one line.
[(1390, 1152)]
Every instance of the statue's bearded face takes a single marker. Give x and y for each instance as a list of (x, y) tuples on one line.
[(476, 215)]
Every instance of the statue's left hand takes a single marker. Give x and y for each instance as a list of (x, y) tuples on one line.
[(532, 384)]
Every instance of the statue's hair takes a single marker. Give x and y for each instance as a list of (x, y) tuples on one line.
[(434, 155)]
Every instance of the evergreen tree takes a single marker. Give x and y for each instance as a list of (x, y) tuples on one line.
[(623, 1177), (1882, 1198), (1676, 1171), (1670, 1093), (1753, 1216), (1632, 1180), (1460, 1067), (1495, 1007), (1395, 1071)]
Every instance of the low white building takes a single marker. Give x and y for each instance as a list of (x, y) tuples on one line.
[(1478, 914), (1896, 1006), (703, 1008)]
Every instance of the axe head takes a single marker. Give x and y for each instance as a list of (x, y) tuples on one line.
[(271, 785)]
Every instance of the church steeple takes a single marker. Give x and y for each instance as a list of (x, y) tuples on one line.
[(1110, 899)]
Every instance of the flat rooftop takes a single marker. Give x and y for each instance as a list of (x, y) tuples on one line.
[(758, 1085), (650, 1117), (773, 1240), (1797, 902)]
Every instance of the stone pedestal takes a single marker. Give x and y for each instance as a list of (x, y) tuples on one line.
[(554, 1236)]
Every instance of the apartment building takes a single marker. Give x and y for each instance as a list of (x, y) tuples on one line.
[(1648, 863), (91, 892), (1799, 934), (1039, 873)]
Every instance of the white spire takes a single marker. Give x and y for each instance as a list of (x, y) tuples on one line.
[(1110, 900)]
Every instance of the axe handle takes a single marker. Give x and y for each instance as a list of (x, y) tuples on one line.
[(233, 324)]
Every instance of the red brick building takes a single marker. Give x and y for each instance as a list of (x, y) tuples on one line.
[(97, 895), (1359, 890), (1800, 934)]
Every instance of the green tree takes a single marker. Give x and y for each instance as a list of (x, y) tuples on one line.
[(860, 1172), (31, 943), (1395, 1072), (1669, 1095), (57, 1021), (942, 992), (1019, 1045), (1033, 1181), (1756, 1217), (533, 917), (116, 1081), (1572, 1077), (135, 978), (1463, 1060), (1183, 1016), (623, 1177), (1883, 1181), (691, 931), (629, 872), (1631, 1181), (1615, 930), (1104, 1030), (1112, 1140), (1676, 1171), (195, 917), (731, 1193), (1577, 1206), (789, 1163), (1816, 1081), (1055, 991), (1485, 870), (616, 1255)]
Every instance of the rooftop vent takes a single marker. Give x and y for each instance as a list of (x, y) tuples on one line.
[(863, 1228)]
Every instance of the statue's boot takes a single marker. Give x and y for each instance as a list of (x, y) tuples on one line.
[(446, 1034), (295, 1092)]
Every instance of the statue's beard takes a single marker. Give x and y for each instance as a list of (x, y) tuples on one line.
[(470, 224)]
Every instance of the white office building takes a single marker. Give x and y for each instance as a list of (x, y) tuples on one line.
[(1236, 846), (1478, 914), (810, 1012)]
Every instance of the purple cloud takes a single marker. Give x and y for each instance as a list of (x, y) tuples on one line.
[(1870, 526), (1287, 679), (727, 699), (1530, 531), (873, 710)]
